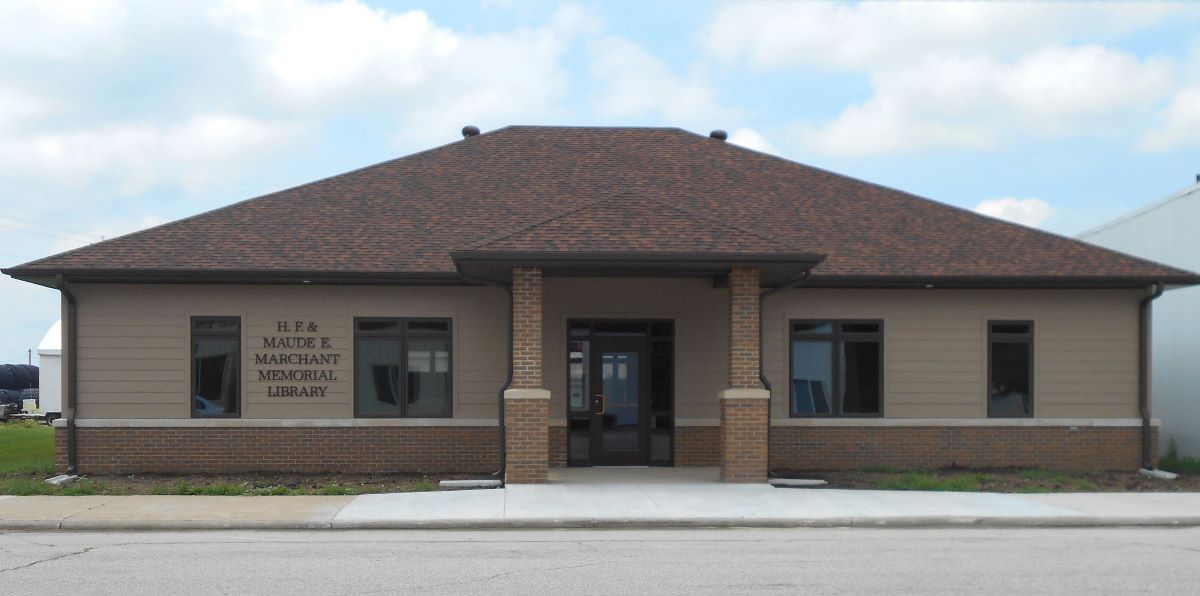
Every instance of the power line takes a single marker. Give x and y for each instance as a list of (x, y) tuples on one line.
[(39, 224), (74, 237)]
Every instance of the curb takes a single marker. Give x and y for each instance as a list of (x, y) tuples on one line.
[(910, 522)]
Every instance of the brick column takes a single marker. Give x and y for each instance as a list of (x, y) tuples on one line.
[(744, 416), (526, 404)]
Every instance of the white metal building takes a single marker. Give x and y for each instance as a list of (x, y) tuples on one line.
[(50, 371), (1168, 232)]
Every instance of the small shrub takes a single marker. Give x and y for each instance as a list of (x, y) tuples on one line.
[(81, 488), (1045, 475), (881, 469), (332, 490), (221, 489), (24, 487), (1180, 465), (271, 491)]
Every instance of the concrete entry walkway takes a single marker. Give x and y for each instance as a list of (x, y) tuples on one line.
[(628, 497), (634, 475)]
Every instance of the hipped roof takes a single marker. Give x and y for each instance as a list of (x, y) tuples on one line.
[(526, 189)]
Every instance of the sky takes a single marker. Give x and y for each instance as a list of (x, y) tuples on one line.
[(120, 115)]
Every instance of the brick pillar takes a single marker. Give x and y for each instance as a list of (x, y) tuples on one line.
[(744, 416), (526, 404)]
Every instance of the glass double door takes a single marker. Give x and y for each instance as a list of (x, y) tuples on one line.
[(619, 405)]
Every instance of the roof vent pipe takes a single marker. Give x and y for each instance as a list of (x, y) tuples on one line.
[(719, 134), (470, 130)]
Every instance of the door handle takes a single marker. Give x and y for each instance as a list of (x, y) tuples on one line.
[(603, 404)]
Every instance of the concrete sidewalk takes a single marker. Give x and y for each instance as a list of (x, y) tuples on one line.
[(607, 499)]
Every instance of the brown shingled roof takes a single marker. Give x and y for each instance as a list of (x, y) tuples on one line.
[(590, 189), (632, 223)]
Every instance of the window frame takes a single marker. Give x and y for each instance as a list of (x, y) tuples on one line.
[(192, 334), (402, 334), (836, 337), (1027, 338)]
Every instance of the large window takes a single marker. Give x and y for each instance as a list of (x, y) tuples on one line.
[(837, 368), (216, 366), (1010, 369), (402, 368)]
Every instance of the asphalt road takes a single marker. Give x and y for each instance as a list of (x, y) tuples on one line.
[(893, 561)]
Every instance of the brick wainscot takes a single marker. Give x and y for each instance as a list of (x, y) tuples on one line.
[(304, 447), (1066, 446)]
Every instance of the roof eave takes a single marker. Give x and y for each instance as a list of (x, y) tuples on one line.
[(497, 266), (46, 277), (1000, 281)]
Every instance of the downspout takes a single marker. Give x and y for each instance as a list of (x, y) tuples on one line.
[(762, 374), (508, 381), (1144, 372), (68, 409)]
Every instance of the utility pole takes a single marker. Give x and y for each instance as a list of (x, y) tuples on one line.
[(29, 353)]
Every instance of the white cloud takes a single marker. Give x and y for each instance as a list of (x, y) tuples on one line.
[(62, 31), (203, 150), (1027, 212), (632, 82), (19, 107), (975, 101), (319, 58), (751, 139), (856, 36), (1179, 123), (957, 75)]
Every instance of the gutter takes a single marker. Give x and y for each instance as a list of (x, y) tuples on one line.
[(1144, 372), (762, 375), (68, 405), (508, 381)]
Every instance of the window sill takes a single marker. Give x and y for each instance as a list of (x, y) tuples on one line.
[(894, 422), (272, 422)]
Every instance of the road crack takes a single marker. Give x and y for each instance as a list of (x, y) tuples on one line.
[(514, 572), (49, 559)]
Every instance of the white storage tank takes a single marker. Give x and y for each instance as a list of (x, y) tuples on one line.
[(50, 372)]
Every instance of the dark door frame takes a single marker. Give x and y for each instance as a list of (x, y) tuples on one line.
[(599, 402), (640, 335)]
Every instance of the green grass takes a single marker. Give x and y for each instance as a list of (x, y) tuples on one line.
[(881, 469), (334, 490), (183, 487), (1180, 465), (1034, 480), (26, 447), (963, 482)]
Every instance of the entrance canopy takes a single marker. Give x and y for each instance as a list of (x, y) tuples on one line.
[(630, 235), (497, 266)]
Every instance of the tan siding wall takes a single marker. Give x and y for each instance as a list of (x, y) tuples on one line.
[(134, 343), (935, 356), (701, 316)]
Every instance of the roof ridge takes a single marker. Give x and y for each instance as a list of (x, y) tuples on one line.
[(620, 194), (534, 224), (721, 222)]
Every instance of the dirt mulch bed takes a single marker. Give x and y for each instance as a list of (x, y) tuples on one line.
[(1003, 481), (250, 484)]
